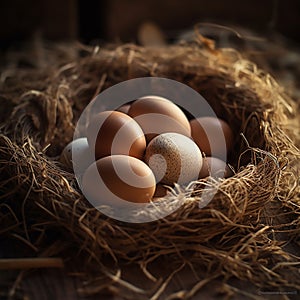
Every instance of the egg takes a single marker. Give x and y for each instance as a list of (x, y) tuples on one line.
[(123, 108), (77, 152), (160, 191), (212, 135), (114, 132), (214, 167), (173, 158), (157, 115), (112, 179)]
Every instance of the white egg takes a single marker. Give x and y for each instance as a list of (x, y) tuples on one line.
[(174, 158), (77, 156)]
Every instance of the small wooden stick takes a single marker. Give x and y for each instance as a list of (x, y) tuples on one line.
[(30, 263)]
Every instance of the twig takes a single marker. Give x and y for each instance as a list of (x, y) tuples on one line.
[(30, 263)]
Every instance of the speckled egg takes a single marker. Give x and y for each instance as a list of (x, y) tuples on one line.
[(173, 158)]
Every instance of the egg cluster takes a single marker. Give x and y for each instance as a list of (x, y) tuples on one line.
[(142, 145)]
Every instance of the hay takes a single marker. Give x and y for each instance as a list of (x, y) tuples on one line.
[(245, 232)]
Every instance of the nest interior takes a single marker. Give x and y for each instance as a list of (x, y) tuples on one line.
[(250, 228)]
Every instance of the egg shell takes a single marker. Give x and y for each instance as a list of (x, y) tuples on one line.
[(112, 179), (124, 108), (160, 191), (214, 167), (77, 152), (212, 135), (157, 115), (174, 158), (114, 132)]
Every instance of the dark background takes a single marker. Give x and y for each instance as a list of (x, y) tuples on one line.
[(119, 20)]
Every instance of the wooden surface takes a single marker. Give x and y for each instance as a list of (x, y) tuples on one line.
[(61, 284), (49, 284)]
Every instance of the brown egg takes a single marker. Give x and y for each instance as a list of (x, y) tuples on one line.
[(214, 167), (157, 115), (160, 191), (115, 133), (114, 178), (213, 136), (124, 108)]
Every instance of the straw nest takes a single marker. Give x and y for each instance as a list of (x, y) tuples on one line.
[(249, 230)]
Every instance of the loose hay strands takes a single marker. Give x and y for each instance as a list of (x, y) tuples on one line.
[(233, 236)]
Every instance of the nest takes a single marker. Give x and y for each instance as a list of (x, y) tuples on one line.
[(248, 231)]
